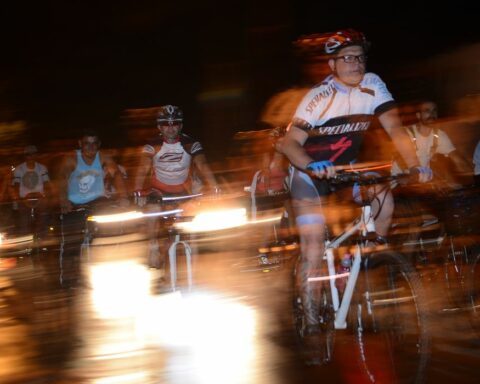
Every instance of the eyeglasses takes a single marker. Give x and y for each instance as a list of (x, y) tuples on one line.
[(352, 58)]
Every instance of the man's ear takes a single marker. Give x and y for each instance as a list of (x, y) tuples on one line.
[(331, 64)]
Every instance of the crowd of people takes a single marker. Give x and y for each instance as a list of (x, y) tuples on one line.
[(313, 129), (88, 179)]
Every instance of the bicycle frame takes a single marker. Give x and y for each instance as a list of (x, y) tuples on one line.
[(365, 224)]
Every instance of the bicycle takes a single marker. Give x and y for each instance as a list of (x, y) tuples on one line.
[(450, 254), (170, 215), (383, 302)]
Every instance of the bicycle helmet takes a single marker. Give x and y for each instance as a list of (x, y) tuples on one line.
[(169, 113), (345, 38)]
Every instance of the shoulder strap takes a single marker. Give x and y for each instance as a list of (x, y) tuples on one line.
[(433, 150), (411, 132)]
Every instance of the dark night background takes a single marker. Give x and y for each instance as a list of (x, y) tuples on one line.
[(67, 65)]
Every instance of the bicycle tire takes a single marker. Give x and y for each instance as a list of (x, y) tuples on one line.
[(389, 318), (321, 352), (474, 293)]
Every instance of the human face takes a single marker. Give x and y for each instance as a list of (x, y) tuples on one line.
[(428, 113), (89, 146), (350, 74), (170, 130)]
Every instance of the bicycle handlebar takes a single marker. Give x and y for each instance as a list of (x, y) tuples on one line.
[(366, 179), (158, 197)]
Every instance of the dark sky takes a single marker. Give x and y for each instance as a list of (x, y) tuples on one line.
[(70, 64)]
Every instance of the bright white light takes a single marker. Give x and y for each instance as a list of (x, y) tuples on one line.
[(219, 332), (216, 220), (130, 378), (119, 289), (132, 215)]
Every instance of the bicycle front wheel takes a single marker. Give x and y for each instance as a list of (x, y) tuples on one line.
[(474, 292), (389, 320)]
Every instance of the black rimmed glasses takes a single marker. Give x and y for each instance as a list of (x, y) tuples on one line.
[(352, 58)]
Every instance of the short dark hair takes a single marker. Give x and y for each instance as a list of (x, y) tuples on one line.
[(89, 133)]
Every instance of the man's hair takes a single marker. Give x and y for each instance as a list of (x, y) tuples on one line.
[(89, 133)]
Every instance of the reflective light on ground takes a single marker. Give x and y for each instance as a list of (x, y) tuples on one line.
[(218, 333), (119, 289)]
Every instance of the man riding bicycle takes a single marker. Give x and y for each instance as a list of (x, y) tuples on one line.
[(81, 188), (32, 188), (326, 132), (171, 159)]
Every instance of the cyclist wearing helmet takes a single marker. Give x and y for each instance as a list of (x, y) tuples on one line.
[(326, 131), (170, 156), (169, 159)]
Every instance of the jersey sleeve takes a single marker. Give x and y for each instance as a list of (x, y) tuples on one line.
[(44, 173), (445, 145), (196, 148), (383, 98), (304, 117), (191, 146), (148, 150)]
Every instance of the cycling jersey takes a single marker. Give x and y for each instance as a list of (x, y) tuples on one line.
[(171, 163), (30, 180), (336, 116)]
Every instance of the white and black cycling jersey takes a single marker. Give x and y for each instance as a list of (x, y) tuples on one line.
[(336, 116), (171, 162)]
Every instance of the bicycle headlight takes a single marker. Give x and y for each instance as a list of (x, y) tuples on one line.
[(215, 220)]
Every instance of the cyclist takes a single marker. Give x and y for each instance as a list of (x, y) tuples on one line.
[(326, 131), (32, 187), (430, 141), (170, 159), (81, 188)]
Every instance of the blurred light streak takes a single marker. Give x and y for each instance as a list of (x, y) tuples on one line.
[(216, 220), (131, 215)]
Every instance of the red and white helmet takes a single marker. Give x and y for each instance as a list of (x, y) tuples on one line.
[(345, 38)]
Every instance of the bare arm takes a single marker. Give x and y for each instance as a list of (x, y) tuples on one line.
[(67, 166), (112, 168), (392, 124), (200, 161), (292, 147)]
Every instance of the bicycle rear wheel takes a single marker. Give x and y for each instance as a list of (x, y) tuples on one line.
[(389, 320)]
